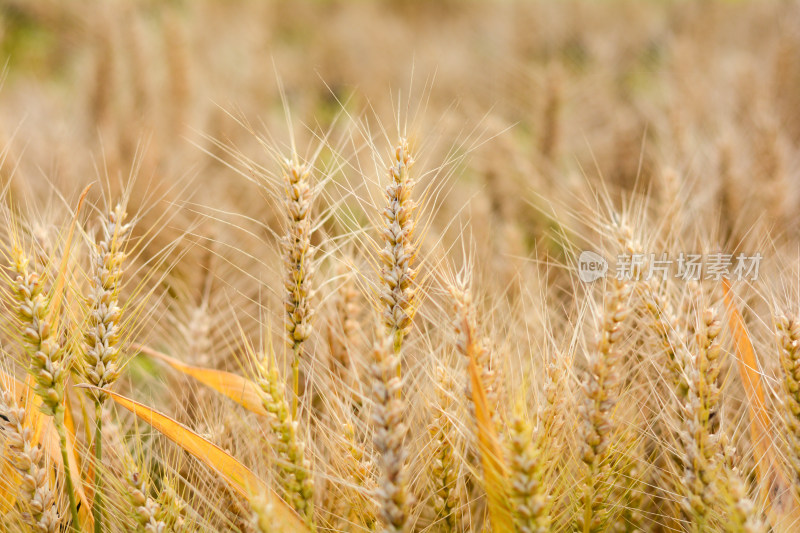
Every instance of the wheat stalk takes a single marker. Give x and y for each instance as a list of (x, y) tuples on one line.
[(356, 509), (788, 333), (527, 471), (741, 512), (472, 344), (701, 445), (48, 365), (708, 476), (343, 328), (101, 338), (483, 402)]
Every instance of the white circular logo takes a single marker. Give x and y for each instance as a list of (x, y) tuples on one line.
[(591, 266)]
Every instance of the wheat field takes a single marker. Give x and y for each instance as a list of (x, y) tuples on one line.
[(400, 266)]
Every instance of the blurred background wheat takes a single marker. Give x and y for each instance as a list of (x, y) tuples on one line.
[(326, 274)]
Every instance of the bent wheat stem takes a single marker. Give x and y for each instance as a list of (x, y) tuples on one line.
[(97, 506)]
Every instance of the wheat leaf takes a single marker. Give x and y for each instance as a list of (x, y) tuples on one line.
[(241, 479), (783, 508), (239, 389), (61, 281), (494, 471)]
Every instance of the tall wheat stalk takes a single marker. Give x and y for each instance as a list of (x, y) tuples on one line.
[(101, 354)]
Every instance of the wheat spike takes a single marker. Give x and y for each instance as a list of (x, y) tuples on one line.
[(388, 421), (102, 333), (295, 468), (600, 390), (399, 252), (36, 497)]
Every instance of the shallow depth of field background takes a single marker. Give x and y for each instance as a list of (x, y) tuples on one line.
[(533, 98), (528, 121)]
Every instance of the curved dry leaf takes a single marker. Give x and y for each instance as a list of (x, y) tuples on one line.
[(241, 479), (783, 508), (59, 285), (240, 390)]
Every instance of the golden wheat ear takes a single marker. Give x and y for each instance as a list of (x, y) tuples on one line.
[(783, 509), (42, 435), (240, 478)]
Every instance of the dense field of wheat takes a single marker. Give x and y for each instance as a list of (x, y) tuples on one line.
[(444, 266)]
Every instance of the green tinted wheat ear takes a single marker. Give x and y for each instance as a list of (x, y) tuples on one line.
[(146, 510), (389, 425), (297, 263), (294, 467), (47, 363), (399, 250), (601, 390), (36, 497)]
